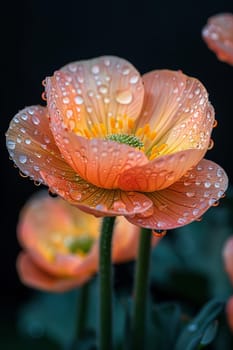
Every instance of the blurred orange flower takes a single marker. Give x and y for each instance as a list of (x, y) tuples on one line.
[(61, 243), (218, 35), (228, 263), (114, 143)]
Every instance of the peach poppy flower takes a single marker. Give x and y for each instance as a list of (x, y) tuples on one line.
[(61, 243), (218, 35), (228, 264), (114, 143)]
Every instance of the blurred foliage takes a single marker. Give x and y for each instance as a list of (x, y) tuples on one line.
[(186, 298)]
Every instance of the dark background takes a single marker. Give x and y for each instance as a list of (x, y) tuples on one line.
[(38, 37)]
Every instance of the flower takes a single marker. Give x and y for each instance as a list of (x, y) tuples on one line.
[(228, 264), (114, 143), (60, 243), (218, 35)]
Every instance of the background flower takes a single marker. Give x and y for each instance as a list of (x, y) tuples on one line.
[(60, 243), (218, 35)]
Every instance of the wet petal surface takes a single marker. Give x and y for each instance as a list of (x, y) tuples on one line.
[(95, 97), (177, 109), (186, 200), (31, 144), (99, 162), (159, 173), (95, 200)]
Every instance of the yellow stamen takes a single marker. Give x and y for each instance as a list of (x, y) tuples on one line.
[(87, 133), (156, 150), (103, 129), (112, 122), (130, 123)]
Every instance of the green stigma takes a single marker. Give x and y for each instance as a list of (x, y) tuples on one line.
[(130, 140), (81, 244)]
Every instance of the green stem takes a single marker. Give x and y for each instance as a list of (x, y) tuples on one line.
[(82, 315), (140, 290), (105, 284)]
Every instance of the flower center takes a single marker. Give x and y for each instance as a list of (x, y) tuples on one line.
[(81, 244), (130, 140), (64, 243)]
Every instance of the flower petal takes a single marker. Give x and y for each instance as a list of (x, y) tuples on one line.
[(100, 162), (32, 276), (186, 200), (159, 173), (31, 144), (94, 200), (218, 35), (229, 312), (45, 223), (126, 241), (228, 258), (177, 109), (88, 97)]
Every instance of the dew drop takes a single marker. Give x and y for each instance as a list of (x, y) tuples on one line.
[(22, 159), (159, 233), (10, 144), (95, 69), (119, 206), (76, 195), (103, 89), (181, 221), (124, 97), (66, 100), (207, 184), (78, 100), (190, 194), (69, 113), (35, 120), (24, 116), (134, 79)]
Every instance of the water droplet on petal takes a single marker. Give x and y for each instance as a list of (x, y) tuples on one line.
[(95, 69), (35, 120), (22, 159), (10, 144), (66, 100), (124, 97), (78, 100), (103, 89), (119, 206), (134, 79), (159, 233)]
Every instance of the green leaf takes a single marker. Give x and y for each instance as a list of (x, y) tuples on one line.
[(159, 333), (55, 315), (197, 329)]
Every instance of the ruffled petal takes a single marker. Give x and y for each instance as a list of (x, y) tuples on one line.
[(31, 144), (186, 200), (31, 275), (177, 109), (159, 173), (218, 35), (100, 162), (95, 200), (94, 97)]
